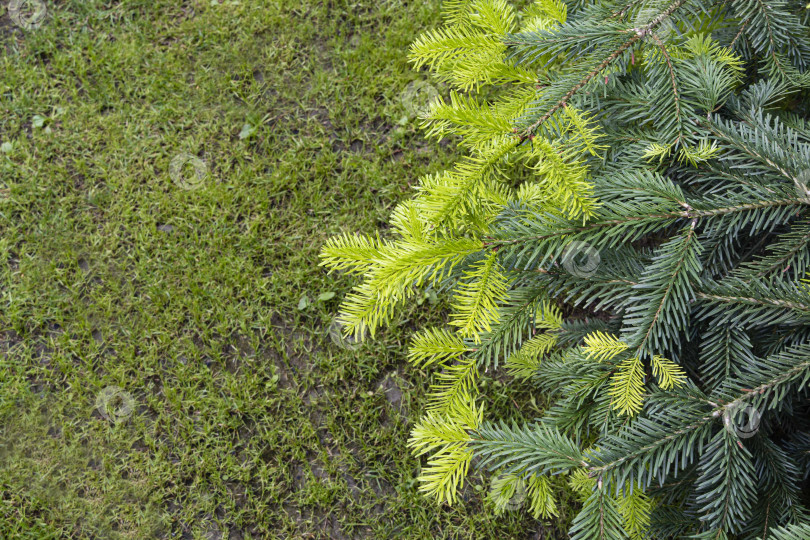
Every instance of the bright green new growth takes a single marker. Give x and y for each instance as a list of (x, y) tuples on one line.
[(628, 232), (448, 221)]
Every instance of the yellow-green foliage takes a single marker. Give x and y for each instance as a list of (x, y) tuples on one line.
[(447, 221), (627, 383), (468, 53), (475, 304), (444, 435), (518, 491), (627, 386), (602, 346), (634, 506), (507, 492), (434, 345), (541, 497), (525, 362)]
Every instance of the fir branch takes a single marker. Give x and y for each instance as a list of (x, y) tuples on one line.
[(534, 449), (637, 34)]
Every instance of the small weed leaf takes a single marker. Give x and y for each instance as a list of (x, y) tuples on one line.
[(304, 303), (323, 297)]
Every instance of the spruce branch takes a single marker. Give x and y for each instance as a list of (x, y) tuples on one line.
[(637, 34)]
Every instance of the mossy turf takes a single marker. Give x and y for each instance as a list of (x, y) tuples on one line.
[(167, 369)]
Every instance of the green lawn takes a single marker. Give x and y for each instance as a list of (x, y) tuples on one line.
[(161, 375)]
